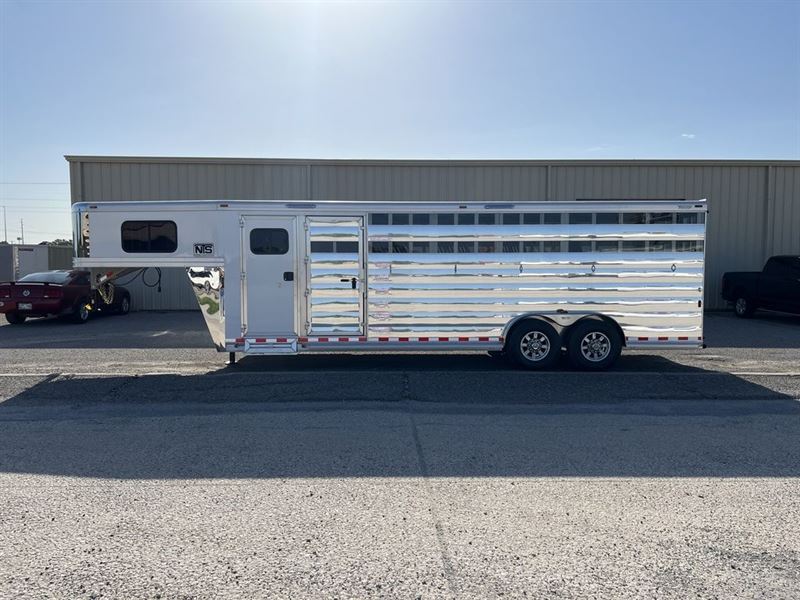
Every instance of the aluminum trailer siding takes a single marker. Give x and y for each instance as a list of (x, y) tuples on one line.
[(423, 276)]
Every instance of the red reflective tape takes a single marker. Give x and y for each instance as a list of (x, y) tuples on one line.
[(302, 340), (322, 339), (443, 339), (260, 340), (281, 340), (402, 339), (643, 339), (483, 339), (462, 339), (423, 339), (502, 339), (683, 339), (240, 340), (344, 339), (362, 339), (380, 339), (663, 339)]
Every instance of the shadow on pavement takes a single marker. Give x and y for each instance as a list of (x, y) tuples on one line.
[(178, 329), (338, 423), (467, 362)]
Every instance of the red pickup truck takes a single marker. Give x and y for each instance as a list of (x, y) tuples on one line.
[(62, 293)]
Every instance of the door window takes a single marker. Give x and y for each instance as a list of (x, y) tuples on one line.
[(269, 241)]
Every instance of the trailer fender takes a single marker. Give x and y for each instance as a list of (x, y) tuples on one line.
[(568, 330), (531, 317)]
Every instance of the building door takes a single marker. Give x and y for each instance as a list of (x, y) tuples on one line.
[(336, 276), (269, 276), (31, 260)]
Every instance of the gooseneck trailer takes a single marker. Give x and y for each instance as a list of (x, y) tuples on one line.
[(528, 279)]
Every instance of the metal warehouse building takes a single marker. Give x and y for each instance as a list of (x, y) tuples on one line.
[(754, 205)]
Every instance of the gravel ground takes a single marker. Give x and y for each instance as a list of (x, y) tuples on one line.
[(134, 464)]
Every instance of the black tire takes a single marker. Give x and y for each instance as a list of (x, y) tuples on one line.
[(534, 344), (81, 313), (593, 345), (124, 305), (14, 318), (743, 307)]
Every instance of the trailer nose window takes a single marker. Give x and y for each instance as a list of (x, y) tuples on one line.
[(269, 241), (149, 237)]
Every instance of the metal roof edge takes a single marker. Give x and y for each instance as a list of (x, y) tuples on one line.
[(430, 162)]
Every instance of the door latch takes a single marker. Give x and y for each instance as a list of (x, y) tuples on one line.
[(352, 281), (288, 275)]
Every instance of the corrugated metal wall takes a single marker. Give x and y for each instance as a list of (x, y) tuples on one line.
[(6, 263), (59, 257), (755, 205), (176, 291)]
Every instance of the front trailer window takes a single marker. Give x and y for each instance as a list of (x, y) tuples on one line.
[(149, 237)]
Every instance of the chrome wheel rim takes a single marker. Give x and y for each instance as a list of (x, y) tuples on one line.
[(84, 312), (595, 346), (124, 305), (534, 346), (741, 306)]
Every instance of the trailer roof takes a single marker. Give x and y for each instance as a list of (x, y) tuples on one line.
[(360, 207)]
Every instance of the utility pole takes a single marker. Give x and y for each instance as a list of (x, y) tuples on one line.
[(5, 226), (22, 231)]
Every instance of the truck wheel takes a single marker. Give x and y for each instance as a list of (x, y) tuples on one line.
[(593, 345), (743, 307), (81, 314), (14, 318), (124, 305), (534, 344)]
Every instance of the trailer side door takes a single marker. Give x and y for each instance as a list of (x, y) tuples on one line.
[(268, 275), (336, 275)]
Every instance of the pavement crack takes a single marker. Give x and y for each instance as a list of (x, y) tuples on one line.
[(444, 553)]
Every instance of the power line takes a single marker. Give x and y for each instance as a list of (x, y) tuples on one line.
[(35, 199), (62, 233), (38, 211)]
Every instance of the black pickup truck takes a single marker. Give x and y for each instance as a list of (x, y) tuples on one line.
[(777, 287)]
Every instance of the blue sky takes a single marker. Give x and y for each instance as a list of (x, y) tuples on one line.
[(386, 80)]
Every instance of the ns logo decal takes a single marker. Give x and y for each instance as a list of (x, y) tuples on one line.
[(203, 248)]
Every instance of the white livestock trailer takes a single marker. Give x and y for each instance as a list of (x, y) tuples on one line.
[(528, 279)]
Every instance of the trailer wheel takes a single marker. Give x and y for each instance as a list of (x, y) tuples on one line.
[(743, 307), (593, 345), (14, 318), (534, 344)]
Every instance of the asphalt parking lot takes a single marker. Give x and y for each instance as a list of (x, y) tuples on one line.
[(135, 463)]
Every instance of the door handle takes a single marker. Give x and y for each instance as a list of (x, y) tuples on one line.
[(352, 281), (288, 275)]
